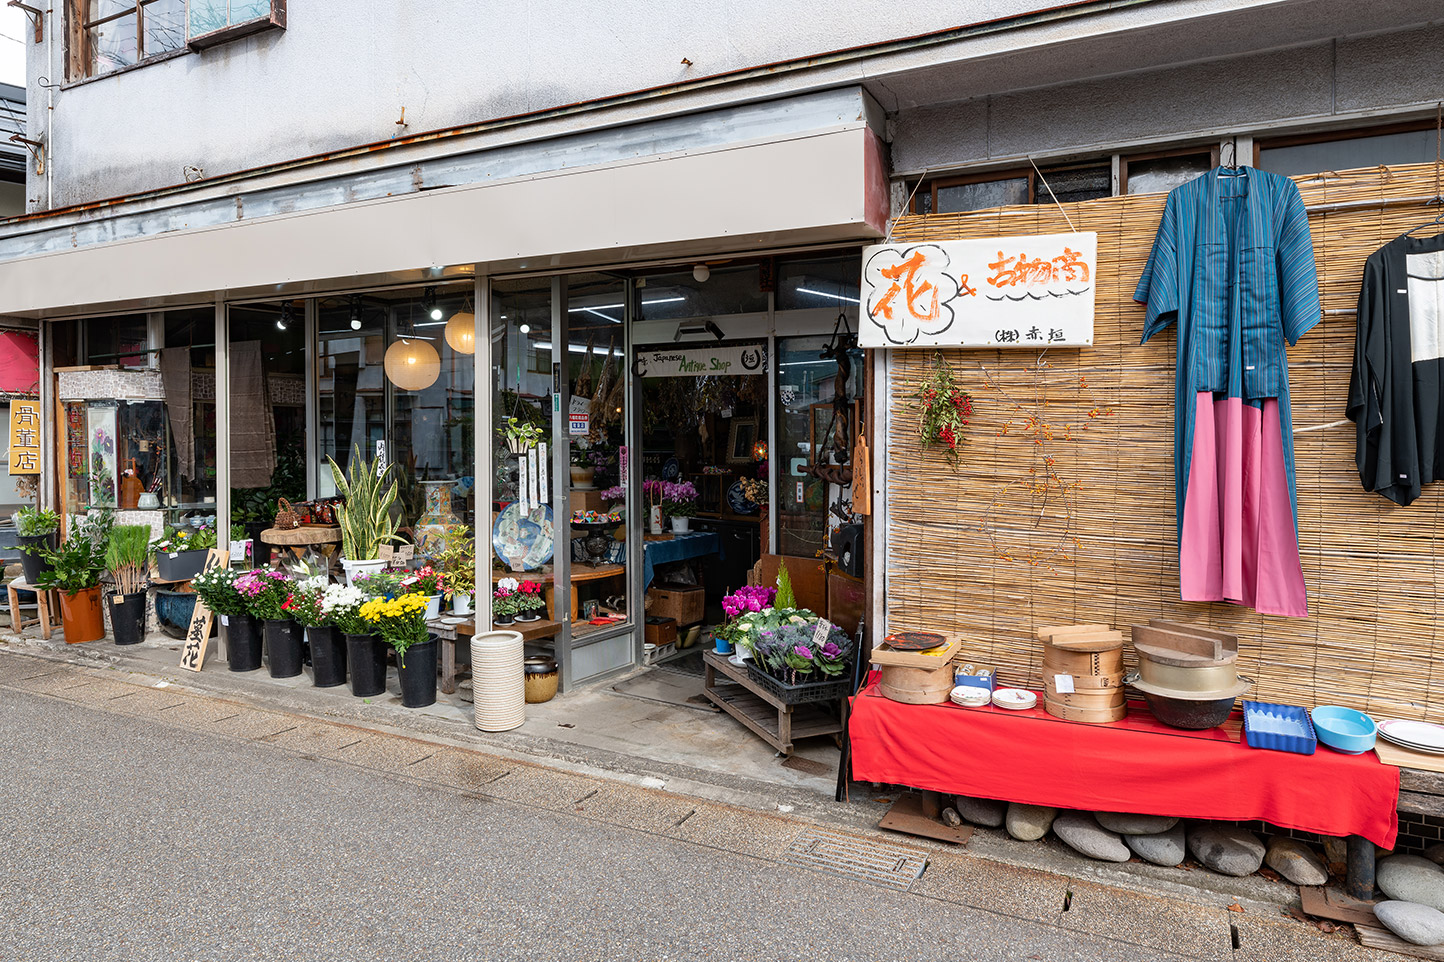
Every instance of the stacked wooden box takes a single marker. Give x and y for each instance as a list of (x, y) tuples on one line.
[(1083, 673)]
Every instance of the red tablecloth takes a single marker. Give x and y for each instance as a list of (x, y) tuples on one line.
[(1136, 765)]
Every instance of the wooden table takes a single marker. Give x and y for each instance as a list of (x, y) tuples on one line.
[(47, 608), (314, 539), (778, 724), (580, 573)]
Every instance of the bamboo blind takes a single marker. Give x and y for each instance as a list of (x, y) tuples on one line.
[(973, 551)]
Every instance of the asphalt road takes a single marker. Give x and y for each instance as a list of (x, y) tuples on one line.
[(122, 838)]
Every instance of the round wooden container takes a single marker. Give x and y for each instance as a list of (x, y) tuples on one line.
[(916, 686), (1064, 661), (1094, 716), (1099, 698), (1084, 682)]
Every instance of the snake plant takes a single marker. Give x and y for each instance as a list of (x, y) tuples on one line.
[(365, 518)]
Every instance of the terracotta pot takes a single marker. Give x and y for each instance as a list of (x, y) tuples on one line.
[(80, 616)]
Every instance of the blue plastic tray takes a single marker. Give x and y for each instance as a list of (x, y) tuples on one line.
[(1283, 728)]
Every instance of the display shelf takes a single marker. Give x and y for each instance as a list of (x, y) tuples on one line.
[(769, 718)]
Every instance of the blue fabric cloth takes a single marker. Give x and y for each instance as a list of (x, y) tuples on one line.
[(1233, 265), (680, 548)]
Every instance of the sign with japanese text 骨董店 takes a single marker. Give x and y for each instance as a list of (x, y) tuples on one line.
[(24, 437), (700, 361), (1034, 291)]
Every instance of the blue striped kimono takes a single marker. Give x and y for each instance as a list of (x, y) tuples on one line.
[(1233, 264)]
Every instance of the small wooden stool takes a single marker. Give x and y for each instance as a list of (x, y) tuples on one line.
[(47, 605)]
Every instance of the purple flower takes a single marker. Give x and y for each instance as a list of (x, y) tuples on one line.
[(802, 651)]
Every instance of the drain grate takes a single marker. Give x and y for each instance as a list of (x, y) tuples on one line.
[(895, 866)]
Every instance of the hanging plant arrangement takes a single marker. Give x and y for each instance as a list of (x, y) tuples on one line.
[(943, 408)]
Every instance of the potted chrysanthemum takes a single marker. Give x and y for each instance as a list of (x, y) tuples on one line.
[(401, 623)]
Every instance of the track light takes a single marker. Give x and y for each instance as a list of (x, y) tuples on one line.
[(356, 312), (526, 328), (429, 300), (284, 321)]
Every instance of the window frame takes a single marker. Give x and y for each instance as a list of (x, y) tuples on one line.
[(1124, 160), (79, 62), (1012, 173), (1339, 133)]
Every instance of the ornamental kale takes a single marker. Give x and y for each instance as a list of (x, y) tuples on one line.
[(791, 652)]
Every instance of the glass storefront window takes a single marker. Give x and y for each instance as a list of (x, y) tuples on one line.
[(115, 340), (728, 289)]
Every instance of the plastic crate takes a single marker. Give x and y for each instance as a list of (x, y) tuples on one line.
[(1282, 728), (808, 691)]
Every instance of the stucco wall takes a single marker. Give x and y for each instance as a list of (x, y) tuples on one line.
[(1387, 73)]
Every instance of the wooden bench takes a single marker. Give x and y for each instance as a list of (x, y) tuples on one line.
[(47, 604)]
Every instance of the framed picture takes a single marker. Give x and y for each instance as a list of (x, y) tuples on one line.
[(741, 437)]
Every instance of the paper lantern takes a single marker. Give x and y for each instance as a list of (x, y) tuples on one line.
[(461, 332), (412, 365)]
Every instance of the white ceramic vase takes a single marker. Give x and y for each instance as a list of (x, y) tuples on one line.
[(498, 680)]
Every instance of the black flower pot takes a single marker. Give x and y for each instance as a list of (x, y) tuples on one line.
[(30, 561), (243, 643), (283, 647), (366, 659), (417, 670), (127, 617), (328, 656)]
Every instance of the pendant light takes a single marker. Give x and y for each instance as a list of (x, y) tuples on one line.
[(412, 364), (461, 331)]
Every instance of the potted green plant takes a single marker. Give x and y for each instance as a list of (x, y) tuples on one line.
[(328, 648), (126, 557), (180, 552), (520, 436), (365, 651), (458, 568), (365, 519), (75, 570), (217, 590), (267, 592), (35, 528), (401, 623)]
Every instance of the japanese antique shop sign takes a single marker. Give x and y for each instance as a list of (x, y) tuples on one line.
[(24, 437), (1032, 291), (700, 361)]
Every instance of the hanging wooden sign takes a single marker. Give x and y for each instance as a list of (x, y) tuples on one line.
[(1032, 291), (198, 633), (24, 437)]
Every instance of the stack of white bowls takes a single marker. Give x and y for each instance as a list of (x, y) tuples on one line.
[(498, 680)]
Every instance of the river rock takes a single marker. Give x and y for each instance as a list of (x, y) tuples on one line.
[(982, 811), (1164, 848), (1412, 922), (1086, 836), (1134, 824), (1226, 849), (1410, 878), (1295, 861), (1028, 823), (1336, 850), (1435, 853)]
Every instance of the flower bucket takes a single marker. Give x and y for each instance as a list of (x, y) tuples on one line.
[(30, 561), (243, 643), (80, 616), (417, 672), (328, 656), (366, 658), (127, 617), (283, 648)]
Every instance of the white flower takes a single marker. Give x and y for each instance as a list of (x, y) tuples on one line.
[(340, 598), (508, 584)]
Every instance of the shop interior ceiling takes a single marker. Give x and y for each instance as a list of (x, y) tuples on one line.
[(1061, 510)]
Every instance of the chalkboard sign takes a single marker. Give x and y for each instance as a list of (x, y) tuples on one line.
[(193, 653)]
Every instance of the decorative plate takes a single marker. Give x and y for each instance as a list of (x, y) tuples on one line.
[(738, 502), (1016, 699), (523, 543), (914, 640)]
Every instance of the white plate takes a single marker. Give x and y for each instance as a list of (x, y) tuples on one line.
[(1015, 699), (1411, 746), (970, 696), (1418, 734)]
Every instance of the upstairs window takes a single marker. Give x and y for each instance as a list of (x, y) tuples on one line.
[(120, 33), (953, 195), (110, 35), (1391, 145)]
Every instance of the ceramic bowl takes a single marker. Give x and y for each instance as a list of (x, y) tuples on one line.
[(1014, 698), (1344, 729), (970, 696)]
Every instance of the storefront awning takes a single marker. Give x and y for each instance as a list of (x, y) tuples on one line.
[(816, 187)]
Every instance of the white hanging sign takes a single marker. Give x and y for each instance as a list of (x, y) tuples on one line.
[(533, 495), (701, 361), (522, 488), (1034, 291), (543, 495)]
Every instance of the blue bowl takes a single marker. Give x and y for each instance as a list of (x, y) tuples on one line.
[(1344, 730)]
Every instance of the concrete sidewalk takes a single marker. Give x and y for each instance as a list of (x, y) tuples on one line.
[(763, 786)]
